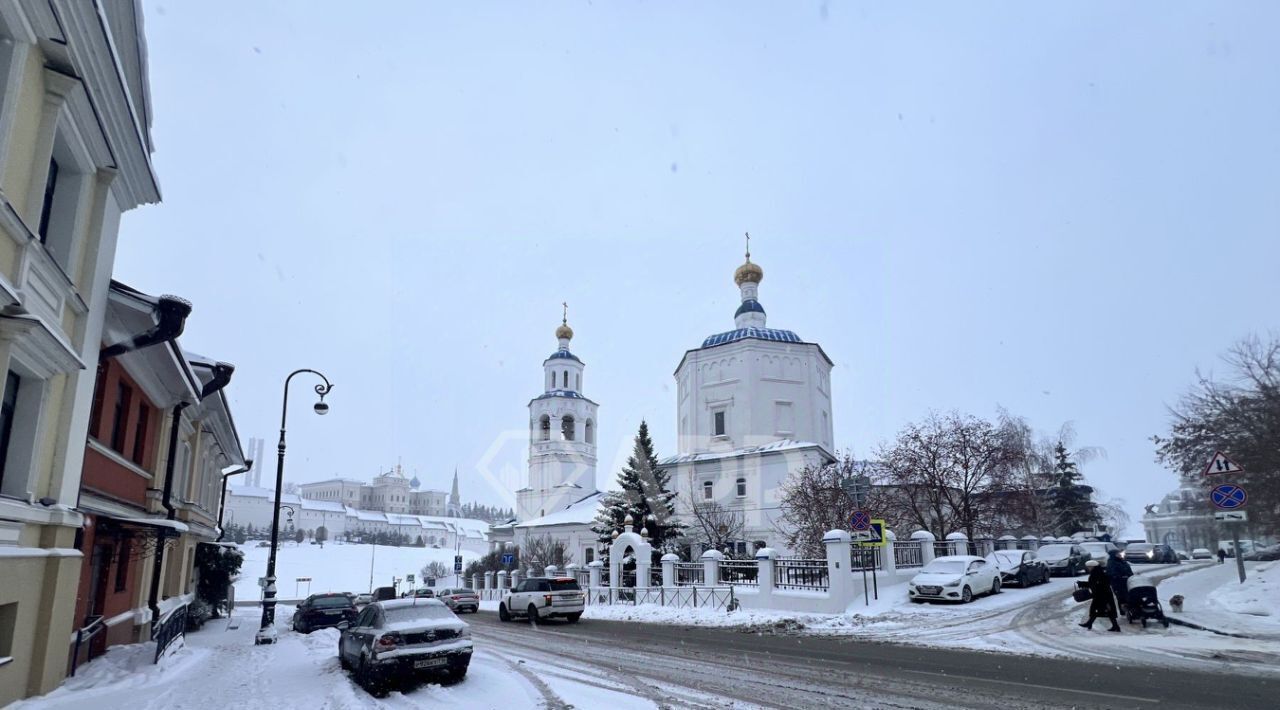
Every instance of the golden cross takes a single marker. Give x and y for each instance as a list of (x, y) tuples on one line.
[(748, 245), (565, 320)]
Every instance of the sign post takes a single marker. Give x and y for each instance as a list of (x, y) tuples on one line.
[(1229, 499)]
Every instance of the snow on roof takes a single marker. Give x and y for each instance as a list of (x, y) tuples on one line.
[(371, 515), (330, 505), (580, 512), (250, 492), (772, 447)]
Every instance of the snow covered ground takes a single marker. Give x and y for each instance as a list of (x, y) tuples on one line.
[(220, 667), (336, 567), (1215, 598)]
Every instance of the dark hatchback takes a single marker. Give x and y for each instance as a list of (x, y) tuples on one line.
[(322, 611), (404, 639)]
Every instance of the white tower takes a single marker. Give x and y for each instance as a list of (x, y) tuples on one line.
[(562, 436)]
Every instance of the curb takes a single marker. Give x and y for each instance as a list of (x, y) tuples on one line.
[(1193, 625)]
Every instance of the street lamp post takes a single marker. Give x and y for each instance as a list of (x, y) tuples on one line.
[(267, 631)]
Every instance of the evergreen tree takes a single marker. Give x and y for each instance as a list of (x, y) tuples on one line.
[(1070, 501), (645, 496)]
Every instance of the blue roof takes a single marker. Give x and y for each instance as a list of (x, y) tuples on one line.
[(560, 393), (564, 355), (733, 336), (750, 305)]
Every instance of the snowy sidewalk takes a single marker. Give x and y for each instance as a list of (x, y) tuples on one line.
[(1215, 599)]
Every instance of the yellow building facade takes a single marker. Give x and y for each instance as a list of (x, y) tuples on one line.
[(74, 155)]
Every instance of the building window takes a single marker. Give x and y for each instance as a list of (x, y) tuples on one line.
[(717, 423), (7, 406), (567, 428), (577, 382), (46, 207), (589, 432), (8, 626), (140, 434), (122, 566), (99, 388), (566, 379), (123, 395), (545, 424), (706, 490), (742, 488)]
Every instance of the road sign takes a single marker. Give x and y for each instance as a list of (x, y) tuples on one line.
[(1221, 464), (877, 534), (861, 520), (1231, 516), (409, 578), (863, 536), (1228, 496), (304, 579), (457, 564), (508, 559)]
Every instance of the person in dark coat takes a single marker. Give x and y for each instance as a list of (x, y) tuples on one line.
[(1119, 572), (1222, 555), (1103, 603)]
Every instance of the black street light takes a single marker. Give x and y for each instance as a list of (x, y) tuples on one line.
[(267, 632)]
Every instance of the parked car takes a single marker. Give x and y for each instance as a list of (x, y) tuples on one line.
[(320, 611), (382, 594), (1099, 551), (1264, 554), (1202, 553), (539, 598), (404, 639), (422, 593), (460, 599), (1020, 567), (954, 578), (1064, 559), (1182, 554), (1148, 553), (362, 600)]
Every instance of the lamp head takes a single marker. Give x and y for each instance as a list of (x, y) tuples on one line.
[(322, 408)]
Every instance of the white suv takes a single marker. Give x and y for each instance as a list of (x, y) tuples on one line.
[(540, 598)]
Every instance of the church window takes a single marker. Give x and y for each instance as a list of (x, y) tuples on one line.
[(566, 428), (577, 381), (566, 379), (546, 427), (707, 493), (589, 432), (742, 488), (717, 423)]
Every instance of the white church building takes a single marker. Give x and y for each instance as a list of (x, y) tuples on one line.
[(753, 404)]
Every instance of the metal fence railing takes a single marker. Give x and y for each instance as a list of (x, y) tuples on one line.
[(942, 549), (583, 576), (677, 597), (171, 628), (801, 574), (907, 554), (690, 573), (864, 558), (743, 572)]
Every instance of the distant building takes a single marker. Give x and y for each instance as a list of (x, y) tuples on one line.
[(388, 492)]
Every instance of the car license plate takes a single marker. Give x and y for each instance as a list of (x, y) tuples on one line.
[(430, 662), (333, 612), (930, 590)]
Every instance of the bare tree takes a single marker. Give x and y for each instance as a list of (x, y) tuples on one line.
[(541, 551), (814, 501), (435, 569), (714, 526), (1028, 504)]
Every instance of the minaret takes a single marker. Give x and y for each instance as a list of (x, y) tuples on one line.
[(455, 501), (562, 435), (748, 277)]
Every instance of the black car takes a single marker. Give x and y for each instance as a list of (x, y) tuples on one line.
[(1064, 558), (322, 611), (1020, 567), (382, 594), (1145, 552), (404, 639)]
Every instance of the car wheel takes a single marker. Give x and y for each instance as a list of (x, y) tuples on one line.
[(573, 618), (1023, 579), (966, 595), (503, 614), (365, 678), (995, 586), (533, 614)]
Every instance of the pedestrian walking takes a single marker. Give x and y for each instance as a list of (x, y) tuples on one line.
[(1118, 572), (1103, 603), (1222, 555)]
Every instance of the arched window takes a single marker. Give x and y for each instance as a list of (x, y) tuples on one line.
[(589, 432), (566, 379), (567, 428), (551, 380), (577, 382), (546, 427), (589, 555), (706, 490), (742, 488)]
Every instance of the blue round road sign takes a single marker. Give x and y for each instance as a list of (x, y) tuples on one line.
[(1228, 496), (861, 520)]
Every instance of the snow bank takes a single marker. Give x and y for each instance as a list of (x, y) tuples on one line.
[(1215, 598), (337, 567)]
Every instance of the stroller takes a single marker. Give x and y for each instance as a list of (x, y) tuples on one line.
[(1142, 603)]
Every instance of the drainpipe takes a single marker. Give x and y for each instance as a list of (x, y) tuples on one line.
[(222, 502), (172, 312)]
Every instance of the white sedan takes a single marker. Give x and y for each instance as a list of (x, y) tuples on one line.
[(954, 578)]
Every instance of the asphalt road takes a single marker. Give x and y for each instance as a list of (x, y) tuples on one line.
[(702, 667)]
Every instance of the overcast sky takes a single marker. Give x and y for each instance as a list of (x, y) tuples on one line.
[(1059, 212)]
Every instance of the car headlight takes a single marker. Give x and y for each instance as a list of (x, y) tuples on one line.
[(954, 583)]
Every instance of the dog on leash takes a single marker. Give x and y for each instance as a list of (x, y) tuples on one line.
[(1175, 602)]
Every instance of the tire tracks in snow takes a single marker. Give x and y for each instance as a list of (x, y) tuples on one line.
[(549, 698)]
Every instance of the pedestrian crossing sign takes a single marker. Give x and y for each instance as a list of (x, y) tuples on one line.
[(874, 536)]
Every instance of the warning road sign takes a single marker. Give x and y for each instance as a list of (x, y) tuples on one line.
[(1228, 496), (1221, 464)]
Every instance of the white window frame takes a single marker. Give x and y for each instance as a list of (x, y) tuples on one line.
[(708, 490), (740, 487), (723, 412)]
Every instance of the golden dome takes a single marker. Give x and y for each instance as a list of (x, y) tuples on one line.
[(748, 272), (564, 331)]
